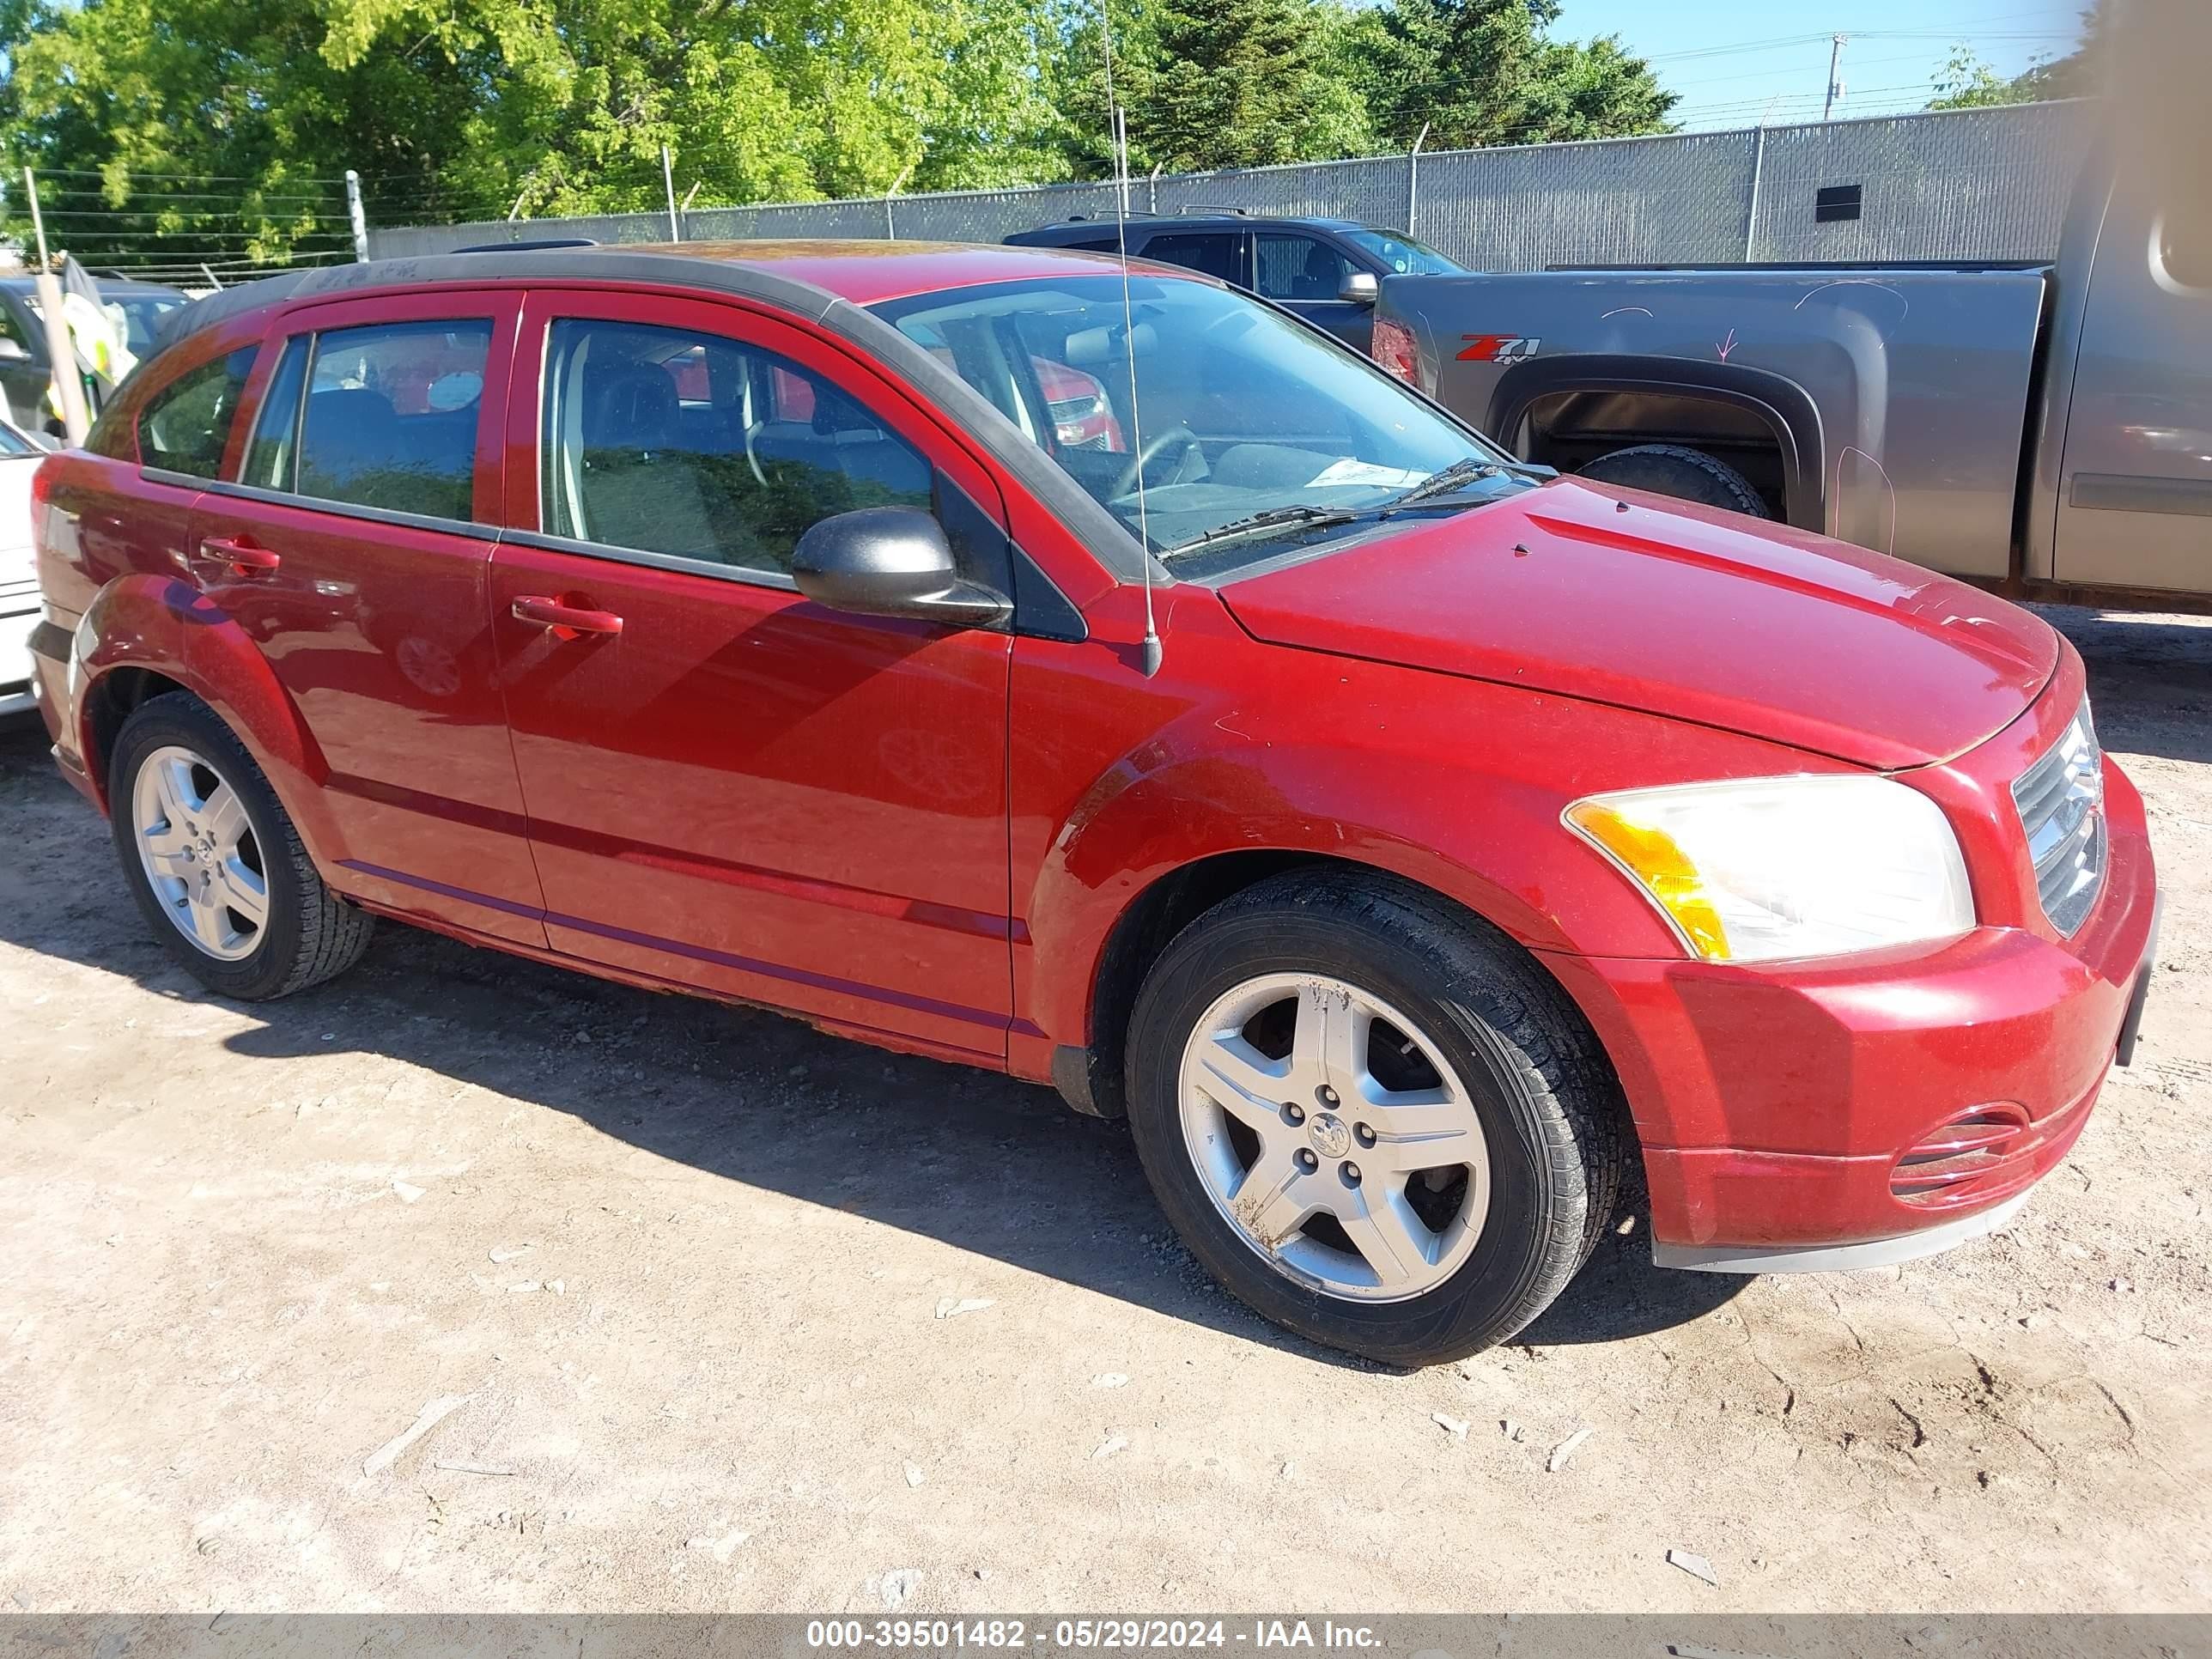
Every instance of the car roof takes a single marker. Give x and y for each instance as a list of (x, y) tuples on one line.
[(808, 276), (107, 285), (1196, 218)]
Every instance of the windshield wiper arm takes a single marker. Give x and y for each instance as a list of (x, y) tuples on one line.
[(1460, 473), (1301, 513)]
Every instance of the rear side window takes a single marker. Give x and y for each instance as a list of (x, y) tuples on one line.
[(1214, 253), (184, 425), (383, 416)]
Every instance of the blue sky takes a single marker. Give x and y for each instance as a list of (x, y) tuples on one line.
[(1714, 53)]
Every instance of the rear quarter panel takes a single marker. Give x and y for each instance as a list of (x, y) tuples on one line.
[(1920, 378)]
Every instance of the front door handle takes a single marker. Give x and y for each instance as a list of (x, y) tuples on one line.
[(243, 557), (564, 621)]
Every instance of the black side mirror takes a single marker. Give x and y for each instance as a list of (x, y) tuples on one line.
[(890, 562), (1359, 287)]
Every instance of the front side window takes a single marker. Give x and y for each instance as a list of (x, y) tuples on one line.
[(1214, 253), (1238, 410), (1296, 267), (388, 418), (1402, 255), (183, 426), (691, 445)]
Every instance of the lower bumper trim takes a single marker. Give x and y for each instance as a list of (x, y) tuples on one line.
[(1834, 1258)]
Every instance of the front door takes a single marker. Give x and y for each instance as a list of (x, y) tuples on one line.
[(351, 542), (728, 786), (1305, 274), (2135, 490)]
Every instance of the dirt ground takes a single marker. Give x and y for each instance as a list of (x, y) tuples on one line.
[(680, 1278)]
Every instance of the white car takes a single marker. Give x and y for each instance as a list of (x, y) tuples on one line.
[(19, 577)]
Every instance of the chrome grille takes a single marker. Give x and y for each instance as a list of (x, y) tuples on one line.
[(2061, 802)]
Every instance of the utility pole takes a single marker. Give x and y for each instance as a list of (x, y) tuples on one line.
[(1836, 43), (354, 212), (668, 182), (1414, 177), (61, 344)]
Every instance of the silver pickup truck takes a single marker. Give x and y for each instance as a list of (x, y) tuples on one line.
[(2047, 430)]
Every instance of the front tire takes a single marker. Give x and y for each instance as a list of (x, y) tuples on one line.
[(215, 864), (1375, 1120)]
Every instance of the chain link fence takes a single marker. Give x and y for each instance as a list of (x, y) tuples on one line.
[(1982, 183)]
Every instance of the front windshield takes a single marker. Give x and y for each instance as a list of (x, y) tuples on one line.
[(1405, 256), (1241, 412)]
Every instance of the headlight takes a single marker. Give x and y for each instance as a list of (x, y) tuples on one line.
[(1775, 867)]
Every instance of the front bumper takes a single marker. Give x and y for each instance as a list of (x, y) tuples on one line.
[(1778, 1106)]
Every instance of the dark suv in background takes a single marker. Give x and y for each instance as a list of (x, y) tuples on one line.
[(1327, 271)]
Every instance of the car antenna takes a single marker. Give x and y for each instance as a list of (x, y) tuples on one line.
[(1119, 137)]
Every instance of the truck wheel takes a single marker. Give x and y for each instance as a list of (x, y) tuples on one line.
[(1687, 474), (215, 863), (1376, 1121)]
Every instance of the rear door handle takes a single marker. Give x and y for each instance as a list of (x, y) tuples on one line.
[(243, 557), (566, 622)]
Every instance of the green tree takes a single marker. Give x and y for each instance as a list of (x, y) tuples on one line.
[(1479, 72), (218, 129), (1966, 82), (1241, 83)]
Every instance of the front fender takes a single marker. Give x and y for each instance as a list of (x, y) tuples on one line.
[(1454, 784)]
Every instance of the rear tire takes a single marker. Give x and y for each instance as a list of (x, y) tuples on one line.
[(1687, 474), (214, 861), (1462, 1105)]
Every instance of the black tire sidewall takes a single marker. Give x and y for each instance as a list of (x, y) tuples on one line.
[(1481, 1303), (185, 721), (1681, 474)]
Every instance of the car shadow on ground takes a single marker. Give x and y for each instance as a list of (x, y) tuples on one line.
[(977, 1161)]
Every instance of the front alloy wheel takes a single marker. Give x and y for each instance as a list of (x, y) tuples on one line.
[(1372, 1116), (1337, 1140)]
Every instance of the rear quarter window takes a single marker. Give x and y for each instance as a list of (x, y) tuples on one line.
[(185, 426)]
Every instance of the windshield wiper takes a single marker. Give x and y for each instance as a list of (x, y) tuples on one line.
[(1460, 473), (1300, 514)]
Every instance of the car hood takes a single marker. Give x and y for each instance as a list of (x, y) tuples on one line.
[(1652, 604)]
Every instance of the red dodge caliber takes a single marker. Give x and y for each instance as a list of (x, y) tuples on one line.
[(770, 622)]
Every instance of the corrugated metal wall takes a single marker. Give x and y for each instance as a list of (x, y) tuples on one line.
[(1987, 184)]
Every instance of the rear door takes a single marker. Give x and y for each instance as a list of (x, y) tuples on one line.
[(353, 544), (1226, 254), (730, 786)]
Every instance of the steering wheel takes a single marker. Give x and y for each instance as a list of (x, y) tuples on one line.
[(1176, 437)]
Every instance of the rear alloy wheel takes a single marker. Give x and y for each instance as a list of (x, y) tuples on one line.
[(1375, 1120), (213, 862), (199, 852)]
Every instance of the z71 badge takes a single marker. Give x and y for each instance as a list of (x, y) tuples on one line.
[(1498, 348)]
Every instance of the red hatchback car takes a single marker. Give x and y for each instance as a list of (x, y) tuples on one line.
[(761, 621)]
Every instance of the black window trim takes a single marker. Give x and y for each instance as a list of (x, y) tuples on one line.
[(299, 407), (469, 527)]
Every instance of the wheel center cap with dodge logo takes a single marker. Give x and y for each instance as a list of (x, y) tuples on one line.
[(1330, 1138)]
